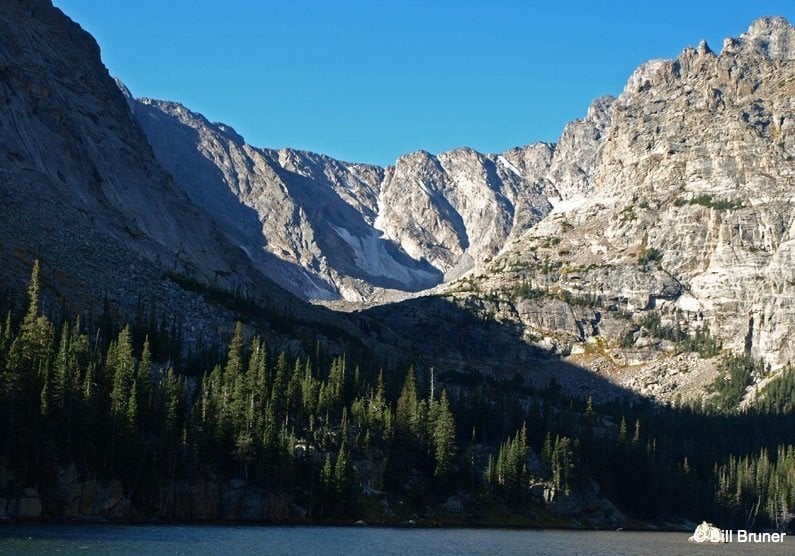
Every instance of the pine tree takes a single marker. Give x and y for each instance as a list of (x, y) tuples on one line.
[(279, 392), (234, 364), (407, 417), (143, 384), (562, 463), (327, 486), (28, 351), (546, 453), (132, 409), (443, 437), (622, 430), (343, 479), (121, 365)]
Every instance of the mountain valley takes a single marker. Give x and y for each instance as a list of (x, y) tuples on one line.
[(200, 329)]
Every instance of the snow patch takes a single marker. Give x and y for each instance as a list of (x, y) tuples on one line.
[(688, 303), (370, 255), (425, 188), (565, 205), (502, 160)]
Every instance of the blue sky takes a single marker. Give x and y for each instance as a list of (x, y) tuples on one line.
[(368, 80)]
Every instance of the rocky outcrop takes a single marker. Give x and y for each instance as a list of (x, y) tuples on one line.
[(207, 498), (685, 211), (456, 209), (329, 229), (570, 174), (83, 192), (585, 506)]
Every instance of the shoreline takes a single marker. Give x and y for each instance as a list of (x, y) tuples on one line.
[(422, 524)]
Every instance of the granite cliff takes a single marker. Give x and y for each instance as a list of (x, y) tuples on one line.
[(681, 223), (327, 229), (83, 192), (664, 213)]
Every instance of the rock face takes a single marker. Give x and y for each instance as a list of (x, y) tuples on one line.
[(66, 131), (73, 155), (672, 198), (586, 506), (327, 229), (683, 208), (83, 191), (305, 219)]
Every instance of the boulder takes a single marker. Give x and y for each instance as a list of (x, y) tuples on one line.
[(297, 511), (107, 498), (28, 508), (251, 508), (122, 509), (205, 499), (230, 499), (70, 496), (453, 505), (87, 496), (276, 507)]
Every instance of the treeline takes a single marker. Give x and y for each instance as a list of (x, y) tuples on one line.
[(82, 393), (334, 434), (758, 487)]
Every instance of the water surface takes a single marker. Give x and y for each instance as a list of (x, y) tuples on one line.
[(351, 541)]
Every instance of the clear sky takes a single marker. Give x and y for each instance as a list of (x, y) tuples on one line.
[(368, 80)]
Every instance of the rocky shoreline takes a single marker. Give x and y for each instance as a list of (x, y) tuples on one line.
[(234, 501)]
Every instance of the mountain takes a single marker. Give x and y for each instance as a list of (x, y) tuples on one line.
[(83, 192), (662, 217), (662, 212), (327, 229), (680, 225), (647, 252)]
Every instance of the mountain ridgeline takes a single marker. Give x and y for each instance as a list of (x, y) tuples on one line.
[(669, 203), (327, 229)]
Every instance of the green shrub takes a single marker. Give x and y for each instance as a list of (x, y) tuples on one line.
[(707, 200), (650, 255), (737, 373)]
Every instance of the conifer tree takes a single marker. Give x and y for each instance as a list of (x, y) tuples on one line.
[(234, 363), (407, 413), (443, 437)]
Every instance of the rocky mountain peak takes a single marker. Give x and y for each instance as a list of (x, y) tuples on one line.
[(703, 48), (123, 88), (643, 77), (569, 173), (329, 229), (686, 210), (768, 37), (772, 37)]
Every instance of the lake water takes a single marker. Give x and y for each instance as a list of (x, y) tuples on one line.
[(233, 540)]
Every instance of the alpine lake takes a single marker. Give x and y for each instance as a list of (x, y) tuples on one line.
[(43, 538)]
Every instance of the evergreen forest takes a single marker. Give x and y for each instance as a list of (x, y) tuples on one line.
[(345, 439)]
